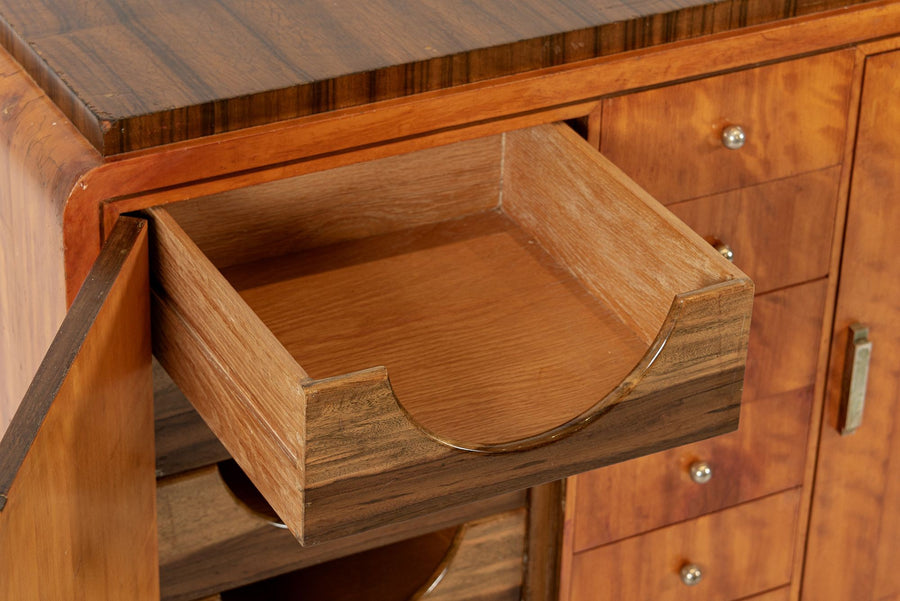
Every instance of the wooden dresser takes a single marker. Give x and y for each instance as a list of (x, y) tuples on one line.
[(449, 302)]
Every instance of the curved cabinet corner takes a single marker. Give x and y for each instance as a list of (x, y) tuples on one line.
[(571, 324)]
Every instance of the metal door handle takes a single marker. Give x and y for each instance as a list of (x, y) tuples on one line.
[(856, 376)]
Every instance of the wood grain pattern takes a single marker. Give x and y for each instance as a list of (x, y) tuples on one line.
[(766, 455), (141, 74), (265, 153), (183, 440), (487, 563), (483, 560), (470, 317), (825, 340), (793, 114), (784, 340), (209, 542), (393, 572), (559, 190), (742, 551), (382, 467), (42, 157), (782, 594), (546, 515), (384, 449), (856, 500), (345, 203), (780, 232), (76, 465)]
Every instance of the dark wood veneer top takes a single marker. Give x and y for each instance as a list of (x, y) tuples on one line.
[(134, 74)]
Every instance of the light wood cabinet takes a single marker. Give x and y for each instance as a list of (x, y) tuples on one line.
[(782, 232), (303, 214)]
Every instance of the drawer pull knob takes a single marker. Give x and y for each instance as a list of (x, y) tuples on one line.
[(691, 574), (856, 376), (733, 137), (701, 472), (724, 250)]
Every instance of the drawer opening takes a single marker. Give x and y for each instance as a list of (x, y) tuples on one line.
[(493, 296), (478, 559), (392, 573), (216, 535)]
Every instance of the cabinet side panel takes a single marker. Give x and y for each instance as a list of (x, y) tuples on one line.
[(41, 156)]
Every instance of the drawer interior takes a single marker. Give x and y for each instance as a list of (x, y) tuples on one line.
[(391, 573), (480, 559), (490, 296), (216, 533), (486, 336)]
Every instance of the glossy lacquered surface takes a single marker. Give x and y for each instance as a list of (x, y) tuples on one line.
[(138, 74)]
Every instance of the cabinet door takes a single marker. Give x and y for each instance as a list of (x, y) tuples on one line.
[(77, 488), (854, 536)]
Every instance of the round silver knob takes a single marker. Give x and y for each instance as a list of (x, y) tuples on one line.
[(691, 574), (701, 472), (733, 137), (724, 250)]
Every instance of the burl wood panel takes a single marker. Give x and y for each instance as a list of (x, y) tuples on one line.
[(855, 525), (211, 542), (741, 551), (793, 113), (327, 474), (780, 232), (76, 465), (41, 158), (143, 73)]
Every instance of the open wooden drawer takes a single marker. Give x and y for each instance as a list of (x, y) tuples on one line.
[(549, 318)]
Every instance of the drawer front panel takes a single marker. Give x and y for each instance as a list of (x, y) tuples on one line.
[(740, 552), (782, 594), (780, 232), (764, 456), (793, 115), (784, 340)]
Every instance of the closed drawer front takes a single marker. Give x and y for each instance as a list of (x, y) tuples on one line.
[(779, 233), (739, 552), (793, 116), (574, 325), (782, 594), (766, 455)]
